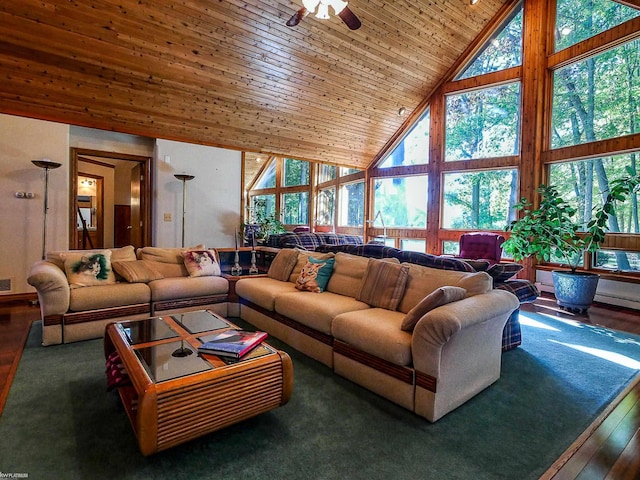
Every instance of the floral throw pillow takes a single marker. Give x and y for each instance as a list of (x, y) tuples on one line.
[(201, 263), (86, 269)]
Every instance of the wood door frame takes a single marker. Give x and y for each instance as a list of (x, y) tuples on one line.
[(146, 198), (99, 206)]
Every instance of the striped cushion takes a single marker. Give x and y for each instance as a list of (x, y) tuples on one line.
[(383, 284), (136, 271), (282, 265)]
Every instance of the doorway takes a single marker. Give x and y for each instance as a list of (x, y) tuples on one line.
[(120, 213)]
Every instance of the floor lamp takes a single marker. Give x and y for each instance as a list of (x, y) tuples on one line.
[(184, 177), (46, 165)]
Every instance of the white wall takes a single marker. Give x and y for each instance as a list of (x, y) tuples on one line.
[(213, 196), (23, 140)]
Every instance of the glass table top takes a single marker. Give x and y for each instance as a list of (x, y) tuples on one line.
[(201, 321), (168, 361), (147, 330)]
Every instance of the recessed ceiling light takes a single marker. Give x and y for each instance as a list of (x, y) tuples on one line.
[(401, 111)]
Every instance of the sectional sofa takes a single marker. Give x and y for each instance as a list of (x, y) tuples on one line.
[(129, 284), (376, 323)]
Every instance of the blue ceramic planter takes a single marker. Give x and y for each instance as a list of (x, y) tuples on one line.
[(575, 291)]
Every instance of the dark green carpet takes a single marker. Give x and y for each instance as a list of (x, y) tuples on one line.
[(59, 422)]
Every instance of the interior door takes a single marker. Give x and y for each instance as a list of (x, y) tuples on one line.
[(122, 225)]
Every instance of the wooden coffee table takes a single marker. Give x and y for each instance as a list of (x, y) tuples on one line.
[(176, 397)]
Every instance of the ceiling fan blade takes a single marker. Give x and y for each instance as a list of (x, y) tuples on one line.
[(350, 19), (297, 17)]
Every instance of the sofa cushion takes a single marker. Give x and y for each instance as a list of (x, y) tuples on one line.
[(438, 297), (282, 265), (316, 311), (117, 254), (263, 290), (303, 257), (383, 284), (84, 269), (136, 271), (201, 263), (348, 272), (167, 261), (377, 332), (424, 280), (315, 275), (187, 287), (501, 272), (107, 296)]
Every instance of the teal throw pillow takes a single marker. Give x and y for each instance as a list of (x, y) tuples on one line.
[(315, 275)]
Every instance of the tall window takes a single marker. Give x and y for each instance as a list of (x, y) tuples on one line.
[(483, 123), (295, 209), (414, 148), (584, 184), (352, 205), (326, 206), (285, 199), (296, 172), (267, 178), (597, 98), (503, 50), (402, 201), (479, 200), (577, 20)]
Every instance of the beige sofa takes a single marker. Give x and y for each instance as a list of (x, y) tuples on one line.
[(71, 314), (453, 353)]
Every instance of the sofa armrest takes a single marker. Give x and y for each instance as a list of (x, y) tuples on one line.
[(434, 330), (52, 287)]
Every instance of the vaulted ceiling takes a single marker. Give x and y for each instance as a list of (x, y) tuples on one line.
[(230, 73)]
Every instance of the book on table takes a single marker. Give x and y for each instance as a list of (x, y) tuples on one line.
[(232, 343)]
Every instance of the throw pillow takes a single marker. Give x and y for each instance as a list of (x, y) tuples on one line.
[(501, 272), (440, 296), (383, 284), (315, 275), (282, 265), (136, 271), (85, 269), (201, 263)]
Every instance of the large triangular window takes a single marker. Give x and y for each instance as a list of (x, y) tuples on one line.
[(268, 177), (577, 20), (502, 51)]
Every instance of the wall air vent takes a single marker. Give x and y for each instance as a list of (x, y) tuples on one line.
[(5, 285)]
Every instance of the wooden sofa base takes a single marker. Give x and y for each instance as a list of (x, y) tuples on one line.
[(76, 326)]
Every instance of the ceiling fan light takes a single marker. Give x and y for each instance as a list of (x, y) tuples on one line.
[(310, 4), (338, 5), (323, 11)]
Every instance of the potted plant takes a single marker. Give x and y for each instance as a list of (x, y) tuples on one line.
[(262, 224), (551, 229)]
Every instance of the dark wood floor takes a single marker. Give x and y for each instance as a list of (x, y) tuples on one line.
[(608, 449)]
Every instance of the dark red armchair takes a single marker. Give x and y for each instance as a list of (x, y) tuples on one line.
[(481, 246)]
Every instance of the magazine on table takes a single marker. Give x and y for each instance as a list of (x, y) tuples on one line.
[(232, 343)]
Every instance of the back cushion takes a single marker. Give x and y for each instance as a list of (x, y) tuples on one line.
[(424, 280), (303, 257), (167, 261), (122, 254), (347, 274)]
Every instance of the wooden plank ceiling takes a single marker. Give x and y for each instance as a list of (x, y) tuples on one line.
[(229, 72)]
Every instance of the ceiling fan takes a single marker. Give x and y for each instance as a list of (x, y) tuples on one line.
[(339, 7)]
